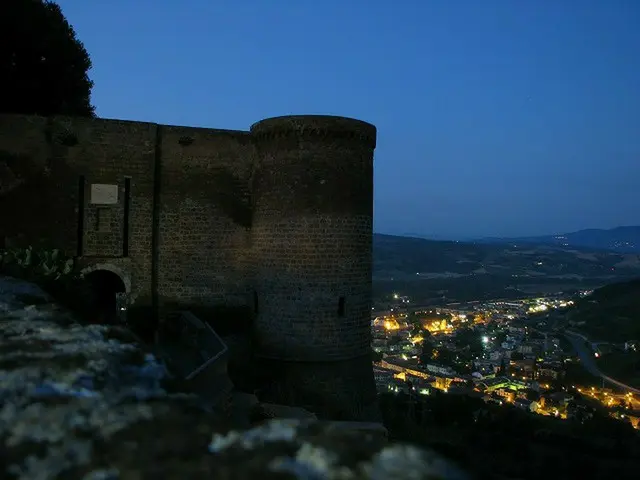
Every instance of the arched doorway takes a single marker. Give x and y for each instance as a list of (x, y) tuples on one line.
[(107, 296)]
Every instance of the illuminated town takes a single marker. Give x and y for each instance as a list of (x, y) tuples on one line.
[(504, 352)]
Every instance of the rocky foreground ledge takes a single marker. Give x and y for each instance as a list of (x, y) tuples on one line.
[(89, 402)]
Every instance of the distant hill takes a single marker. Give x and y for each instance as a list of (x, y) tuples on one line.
[(610, 313), (467, 270), (619, 239), (401, 256)]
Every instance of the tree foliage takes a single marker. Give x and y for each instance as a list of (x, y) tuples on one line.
[(412, 318), (43, 66), (517, 356), (376, 356), (492, 441), (467, 337), (426, 351)]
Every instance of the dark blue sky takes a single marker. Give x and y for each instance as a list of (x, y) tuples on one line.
[(495, 117)]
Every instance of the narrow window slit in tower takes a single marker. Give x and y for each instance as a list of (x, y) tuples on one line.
[(341, 307)]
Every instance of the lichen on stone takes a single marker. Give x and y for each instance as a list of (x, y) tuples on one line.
[(281, 431), (406, 462), (86, 402), (60, 457), (64, 386), (102, 474), (311, 462), (314, 451)]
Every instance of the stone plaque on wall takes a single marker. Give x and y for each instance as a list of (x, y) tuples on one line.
[(103, 194)]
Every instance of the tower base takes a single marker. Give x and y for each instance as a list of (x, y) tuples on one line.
[(338, 390)]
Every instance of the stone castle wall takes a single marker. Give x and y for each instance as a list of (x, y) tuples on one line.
[(55, 161), (178, 180), (273, 223), (204, 237)]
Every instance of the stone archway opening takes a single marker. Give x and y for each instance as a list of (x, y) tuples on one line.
[(107, 290)]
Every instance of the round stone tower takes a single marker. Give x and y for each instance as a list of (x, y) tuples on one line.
[(312, 238)]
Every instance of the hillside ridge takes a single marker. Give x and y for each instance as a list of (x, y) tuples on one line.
[(622, 239), (431, 270)]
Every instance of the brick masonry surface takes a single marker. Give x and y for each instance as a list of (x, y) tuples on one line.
[(274, 223)]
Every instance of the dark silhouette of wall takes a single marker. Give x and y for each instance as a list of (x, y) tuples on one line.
[(274, 223)]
